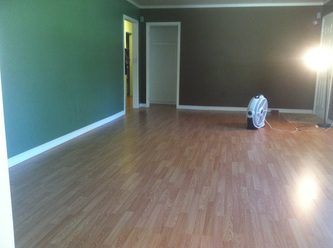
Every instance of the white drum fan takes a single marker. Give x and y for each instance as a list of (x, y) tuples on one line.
[(256, 112)]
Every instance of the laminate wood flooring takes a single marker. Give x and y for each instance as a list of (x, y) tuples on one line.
[(166, 178)]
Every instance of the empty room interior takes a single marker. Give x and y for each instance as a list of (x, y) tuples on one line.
[(175, 123)]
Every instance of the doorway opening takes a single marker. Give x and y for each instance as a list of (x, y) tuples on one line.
[(163, 63), (131, 63)]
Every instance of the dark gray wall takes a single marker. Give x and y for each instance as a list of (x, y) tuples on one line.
[(231, 54), (328, 8)]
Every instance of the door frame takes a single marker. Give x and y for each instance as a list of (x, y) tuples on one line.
[(135, 60), (6, 216), (162, 24)]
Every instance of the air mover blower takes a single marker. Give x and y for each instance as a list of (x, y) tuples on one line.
[(256, 112)]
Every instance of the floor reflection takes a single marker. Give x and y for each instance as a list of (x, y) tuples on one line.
[(307, 192)]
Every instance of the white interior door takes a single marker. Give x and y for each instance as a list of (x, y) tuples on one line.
[(324, 77), (162, 63)]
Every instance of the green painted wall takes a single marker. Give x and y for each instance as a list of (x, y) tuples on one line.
[(61, 64)]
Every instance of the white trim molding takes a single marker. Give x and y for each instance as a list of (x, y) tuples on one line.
[(211, 108), (241, 109), (61, 140), (226, 5), (143, 105), (231, 5), (134, 3), (7, 239), (293, 111)]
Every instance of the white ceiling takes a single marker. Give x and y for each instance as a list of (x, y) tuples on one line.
[(222, 3)]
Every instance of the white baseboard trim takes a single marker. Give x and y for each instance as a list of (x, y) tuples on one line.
[(211, 108), (241, 109), (143, 105), (162, 103), (293, 111), (61, 140)]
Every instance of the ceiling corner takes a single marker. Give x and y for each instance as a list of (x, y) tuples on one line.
[(135, 3)]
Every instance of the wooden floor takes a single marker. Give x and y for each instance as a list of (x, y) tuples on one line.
[(167, 178)]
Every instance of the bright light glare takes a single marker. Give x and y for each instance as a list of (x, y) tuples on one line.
[(318, 58), (307, 192)]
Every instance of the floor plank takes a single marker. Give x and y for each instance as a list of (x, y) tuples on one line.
[(166, 178)]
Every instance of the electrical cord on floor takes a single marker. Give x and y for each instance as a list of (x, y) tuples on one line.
[(282, 130), (298, 129)]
